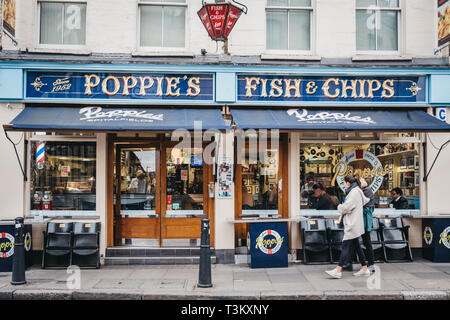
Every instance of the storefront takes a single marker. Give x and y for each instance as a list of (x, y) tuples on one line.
[(107, 144)]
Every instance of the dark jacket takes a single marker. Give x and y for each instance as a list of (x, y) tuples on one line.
[(324, 202), (401, 203), (369, 194)]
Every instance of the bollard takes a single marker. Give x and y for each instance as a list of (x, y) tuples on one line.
[(204, 272), (18, 267)]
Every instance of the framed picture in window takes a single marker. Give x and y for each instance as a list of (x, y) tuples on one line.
[(250, 189), (391, 164), (391, 175), (390, 186), (403, 163), (411, 163), (256, 189), (416, 179), (416, 162)]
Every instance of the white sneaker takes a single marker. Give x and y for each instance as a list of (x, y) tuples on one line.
[(362, 272), (334, 273)]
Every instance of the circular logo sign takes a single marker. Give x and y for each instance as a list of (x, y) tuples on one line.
[(445, 237), (269, 241), (27, 241), (428, 236), (342, 169), (6, 245)]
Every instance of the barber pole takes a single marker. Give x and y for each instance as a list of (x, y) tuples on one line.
[(40, 155)]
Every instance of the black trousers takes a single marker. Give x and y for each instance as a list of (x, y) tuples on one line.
[(368, 244), (348, 247)]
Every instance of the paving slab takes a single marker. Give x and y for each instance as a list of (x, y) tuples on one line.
[(425, 295), (363, 295), (24, 294), (292, 295)]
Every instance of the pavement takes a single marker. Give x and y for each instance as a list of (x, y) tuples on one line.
[(418, 280)]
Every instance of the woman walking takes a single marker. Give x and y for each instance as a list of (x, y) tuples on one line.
[(352, 215), (367, 215)]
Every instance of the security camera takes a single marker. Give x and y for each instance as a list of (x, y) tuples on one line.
[(203, 51)]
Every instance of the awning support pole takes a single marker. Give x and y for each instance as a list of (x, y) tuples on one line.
[(17, 155), (431, 168)]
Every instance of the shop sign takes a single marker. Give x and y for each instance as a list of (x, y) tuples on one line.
[(268, 245), (342, 169), (445, 238), (122, 86), (96, 114), (6, 245), (428, 236), (277, 88)]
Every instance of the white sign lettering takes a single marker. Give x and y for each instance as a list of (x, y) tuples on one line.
[(95, 113), (328, 117)]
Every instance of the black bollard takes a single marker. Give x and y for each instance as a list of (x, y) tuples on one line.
[(204, 272), (18, 267)]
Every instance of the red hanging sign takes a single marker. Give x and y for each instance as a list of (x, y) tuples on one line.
[(219, 19)]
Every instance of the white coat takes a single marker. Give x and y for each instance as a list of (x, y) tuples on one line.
[(352, 213)]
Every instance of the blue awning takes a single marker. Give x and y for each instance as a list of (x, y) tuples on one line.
[(96, 118), (337, 120)]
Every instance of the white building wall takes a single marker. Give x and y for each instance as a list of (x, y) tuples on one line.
[(11, 177), (112, 27)]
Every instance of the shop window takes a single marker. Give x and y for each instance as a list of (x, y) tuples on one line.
[(288, 25), (260, 181), (162, 23), (62, 23), (184, 180), (377, 25), (385, 167), (62, 177)]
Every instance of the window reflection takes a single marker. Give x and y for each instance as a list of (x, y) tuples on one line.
[(138, 179), (63, 175), (260, 182), (184, 179), (323, 165)]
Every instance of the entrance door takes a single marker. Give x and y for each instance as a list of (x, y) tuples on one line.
[(137, 195), (161, 195)]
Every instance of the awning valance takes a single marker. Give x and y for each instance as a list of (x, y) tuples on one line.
[(337, 120), (96, 118)]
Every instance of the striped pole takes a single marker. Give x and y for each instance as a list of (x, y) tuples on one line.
[(40, 154)]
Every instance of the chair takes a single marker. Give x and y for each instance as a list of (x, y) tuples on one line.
[(86, 244), (57, 245), (395, 240), (375, 238), (335, 235), (315, 242)]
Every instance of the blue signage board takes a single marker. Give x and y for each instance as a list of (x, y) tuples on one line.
[(269, 245), (286, 88), (436, 239), (119, 86)]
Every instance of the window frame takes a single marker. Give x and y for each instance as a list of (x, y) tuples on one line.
[(160, 3), (312, 29), (61, 45), (399, 10)]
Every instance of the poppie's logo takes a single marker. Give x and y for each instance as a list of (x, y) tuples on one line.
[(269, 242), (328, 117), (96, 113)]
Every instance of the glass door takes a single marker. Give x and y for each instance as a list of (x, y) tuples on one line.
[(137, 195)]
